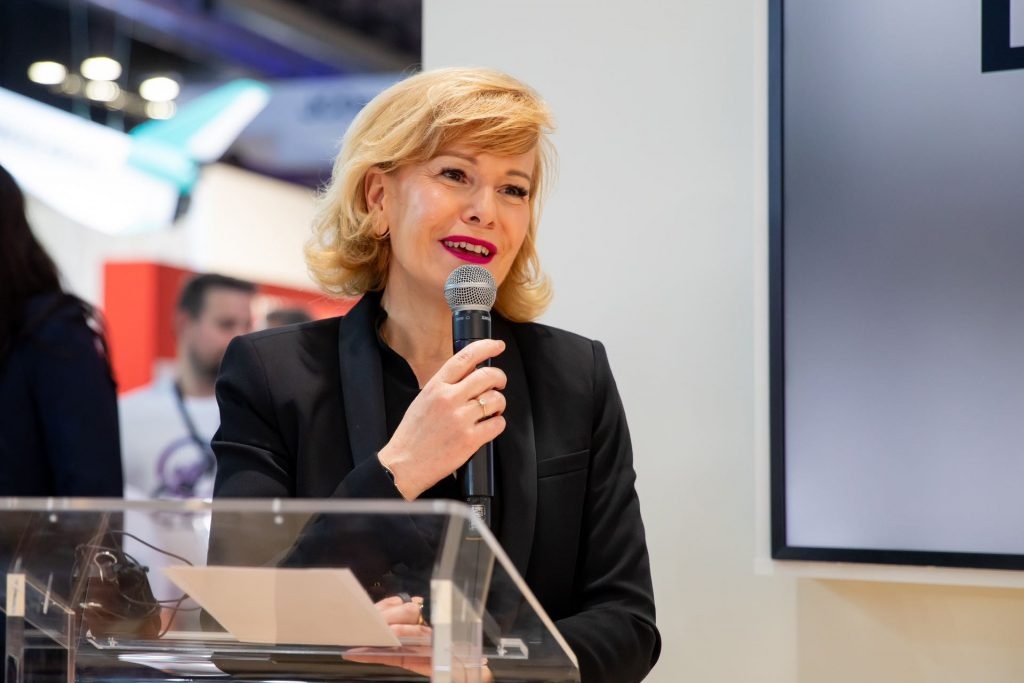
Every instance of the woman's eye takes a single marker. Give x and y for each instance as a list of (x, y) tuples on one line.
[(517, 191), (453, 174)]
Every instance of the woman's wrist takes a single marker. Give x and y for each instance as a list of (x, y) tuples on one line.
[(388, 466)]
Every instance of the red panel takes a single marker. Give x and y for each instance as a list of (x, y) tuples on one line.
[(128, 292), (170, 280)]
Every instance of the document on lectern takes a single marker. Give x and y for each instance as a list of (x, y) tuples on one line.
[(287, 606)]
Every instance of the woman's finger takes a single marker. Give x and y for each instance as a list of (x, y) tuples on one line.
[(493, 402), (390, 601), (484, 406), (480, 380), (465, 361), (402, 613), (488, 430)]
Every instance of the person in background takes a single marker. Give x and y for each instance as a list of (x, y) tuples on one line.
[(280, 317), (166, 426), (58, 399), (443, 169)]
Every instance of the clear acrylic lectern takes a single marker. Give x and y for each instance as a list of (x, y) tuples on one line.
[(265, 590)]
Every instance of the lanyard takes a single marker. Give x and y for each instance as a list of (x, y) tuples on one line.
[(179, 480), (193, 433)]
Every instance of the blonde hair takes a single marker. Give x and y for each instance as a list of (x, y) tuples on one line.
[(411, 122)]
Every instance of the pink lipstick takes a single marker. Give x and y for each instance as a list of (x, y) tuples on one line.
[(470, 249)]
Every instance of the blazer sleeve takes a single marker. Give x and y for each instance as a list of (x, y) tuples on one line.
[(255, 459), (76, 401), (612, 630)]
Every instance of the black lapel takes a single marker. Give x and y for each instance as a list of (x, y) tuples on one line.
[(362, 381), (515, 450)]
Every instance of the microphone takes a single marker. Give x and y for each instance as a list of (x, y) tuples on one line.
[(470, 292)]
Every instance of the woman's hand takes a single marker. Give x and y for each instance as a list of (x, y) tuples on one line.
[(404, 616), (458, 411)]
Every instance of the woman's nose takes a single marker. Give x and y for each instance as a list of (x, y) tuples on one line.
[(480, 210)]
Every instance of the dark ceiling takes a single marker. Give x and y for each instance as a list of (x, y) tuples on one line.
[(203, 41)]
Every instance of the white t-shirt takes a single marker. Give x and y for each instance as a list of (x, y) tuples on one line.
[(161, 458)]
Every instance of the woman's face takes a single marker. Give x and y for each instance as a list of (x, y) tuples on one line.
[(463, 206)]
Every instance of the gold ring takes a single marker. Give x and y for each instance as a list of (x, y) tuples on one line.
[(483, 406), (420, 621)]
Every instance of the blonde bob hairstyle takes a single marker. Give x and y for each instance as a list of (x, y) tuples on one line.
[(411, 122)]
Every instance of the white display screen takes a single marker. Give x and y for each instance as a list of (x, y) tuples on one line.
[(898, 282)]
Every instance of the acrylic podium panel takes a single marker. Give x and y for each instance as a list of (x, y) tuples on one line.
[(87, 593)]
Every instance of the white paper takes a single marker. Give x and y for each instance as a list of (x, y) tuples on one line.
[(294, 606)]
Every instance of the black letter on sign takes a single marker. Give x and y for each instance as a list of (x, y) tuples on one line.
[(996, 52)]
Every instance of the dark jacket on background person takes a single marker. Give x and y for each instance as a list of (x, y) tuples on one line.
[(58, 407), (58, 417), (303, 415)]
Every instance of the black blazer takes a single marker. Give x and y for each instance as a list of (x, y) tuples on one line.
[(302, 415)]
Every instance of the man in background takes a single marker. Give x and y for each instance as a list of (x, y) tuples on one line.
[(166, 427)]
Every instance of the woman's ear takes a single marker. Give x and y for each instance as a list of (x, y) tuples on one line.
[(373, 189)]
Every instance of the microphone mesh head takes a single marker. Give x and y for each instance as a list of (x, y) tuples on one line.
[(470, 287)]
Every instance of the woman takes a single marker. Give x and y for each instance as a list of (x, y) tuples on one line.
[(58, 430), (58, 404), (445, 168)]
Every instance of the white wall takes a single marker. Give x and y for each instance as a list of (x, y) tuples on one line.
[(250, 226), (649, 237)]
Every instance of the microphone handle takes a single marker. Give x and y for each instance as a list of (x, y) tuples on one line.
[(476, 477)]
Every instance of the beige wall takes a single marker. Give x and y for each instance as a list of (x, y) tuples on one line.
[(851, 632), (655, 238)]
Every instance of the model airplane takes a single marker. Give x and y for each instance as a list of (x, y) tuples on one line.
[(121, 183)]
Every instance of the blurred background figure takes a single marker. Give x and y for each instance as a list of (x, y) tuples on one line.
[(167, 425), (58, 400), (287, 316)]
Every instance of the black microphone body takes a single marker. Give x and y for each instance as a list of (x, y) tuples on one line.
[(476, 477), (471, 320)]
